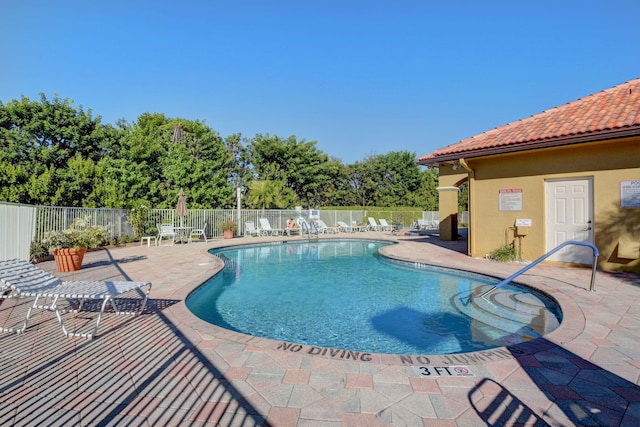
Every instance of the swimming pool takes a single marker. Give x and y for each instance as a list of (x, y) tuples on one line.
[(343, 294)]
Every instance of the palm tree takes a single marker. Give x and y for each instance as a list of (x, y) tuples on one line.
[(268, 194)]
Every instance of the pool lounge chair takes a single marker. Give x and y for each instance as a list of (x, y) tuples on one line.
[(21, 279), (357, 227), (323, 228), (265, 226), (250, 229), (346, 228), (385, 226), (294, 230), (374, 225)]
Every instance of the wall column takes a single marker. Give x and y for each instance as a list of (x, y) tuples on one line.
[(448, 209)]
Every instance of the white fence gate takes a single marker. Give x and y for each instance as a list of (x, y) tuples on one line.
[(17, 230)]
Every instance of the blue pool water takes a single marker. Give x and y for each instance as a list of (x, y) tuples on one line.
[(342, 294)]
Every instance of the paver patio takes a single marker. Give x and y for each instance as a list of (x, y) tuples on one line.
[(167, 367)]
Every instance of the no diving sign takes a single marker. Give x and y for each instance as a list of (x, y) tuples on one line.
[(444, 371)]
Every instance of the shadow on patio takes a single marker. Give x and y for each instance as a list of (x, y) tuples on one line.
[(139, 370), (580, 392)]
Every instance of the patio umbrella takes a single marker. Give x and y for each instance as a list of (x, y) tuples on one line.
[(181, 207)]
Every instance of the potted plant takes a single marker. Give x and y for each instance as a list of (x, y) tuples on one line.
[(69, 246), (228, 228), (398, 221)]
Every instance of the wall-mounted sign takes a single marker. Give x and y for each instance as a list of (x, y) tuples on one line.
[(630, 194), (510, 199), (523, 222)]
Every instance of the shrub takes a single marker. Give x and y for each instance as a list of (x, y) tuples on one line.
[(228, 225), (38, 250), (81, 234), (138, 217), (504, 253)]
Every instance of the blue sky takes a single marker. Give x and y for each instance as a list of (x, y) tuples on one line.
[(358, 77)]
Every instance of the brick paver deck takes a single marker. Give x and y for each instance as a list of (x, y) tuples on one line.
[(167, 367)]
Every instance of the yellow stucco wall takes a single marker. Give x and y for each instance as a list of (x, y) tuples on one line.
[(449, 180), (606, 163)]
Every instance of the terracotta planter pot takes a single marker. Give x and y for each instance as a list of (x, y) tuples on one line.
[(69, 259), (228, 234)]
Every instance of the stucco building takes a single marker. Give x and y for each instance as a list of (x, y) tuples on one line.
[(568, 173)]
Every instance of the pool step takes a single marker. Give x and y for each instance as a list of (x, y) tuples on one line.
[(507, 311)]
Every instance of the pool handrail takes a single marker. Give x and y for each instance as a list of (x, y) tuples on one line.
[(596, 254), (307, 227)]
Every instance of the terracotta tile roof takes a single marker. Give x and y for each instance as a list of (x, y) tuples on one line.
[(602, 115)]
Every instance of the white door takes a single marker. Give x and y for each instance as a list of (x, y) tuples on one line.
[(570, 217)]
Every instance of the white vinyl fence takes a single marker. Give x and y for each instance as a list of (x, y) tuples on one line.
[(22, 224)]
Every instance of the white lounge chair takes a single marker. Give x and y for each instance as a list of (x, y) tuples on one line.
[(294, 230), (323, 228), (21, 279), (266, 229), (199, 233), (165, 230), (344, 227), (385, 226), (355, 227), (250, 229), (374, 225)]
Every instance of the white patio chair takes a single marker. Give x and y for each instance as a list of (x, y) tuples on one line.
[(420, 224), (266, 229), (165, 230), (250, 229), (344, 227), (357, 227), (374, 225), (385, 225), (21, 279), (323, 228), (295, 230), (199, 233)]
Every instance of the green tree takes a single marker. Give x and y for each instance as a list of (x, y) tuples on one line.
[(336, 190), (198, 160), (426, 196), (363, 179), (399, 177), (162, 155), (54, 153), (463, 197), (45, 142), (299, 164), (240, 173), (391, 179)]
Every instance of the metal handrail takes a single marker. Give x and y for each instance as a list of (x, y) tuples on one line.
[(308, 226), (596, 254)]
